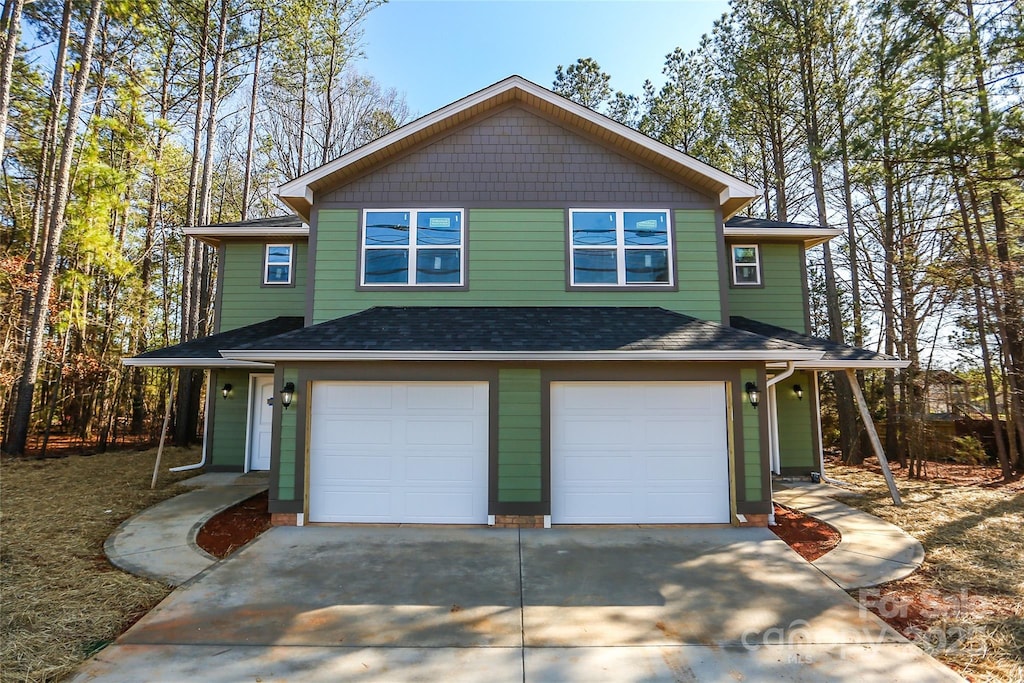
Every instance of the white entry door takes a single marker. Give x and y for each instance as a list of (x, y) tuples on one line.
[(635, 452), (388, 452), (261, 419)]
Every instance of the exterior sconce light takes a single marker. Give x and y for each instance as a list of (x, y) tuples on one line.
[(287, 394), (799, 391), (226, 390), (753, 394)]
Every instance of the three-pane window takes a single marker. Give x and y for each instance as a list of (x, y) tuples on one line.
[(413, 247), (746, 265), (619, 247), (277, 265)]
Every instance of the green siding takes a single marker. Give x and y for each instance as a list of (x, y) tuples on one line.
[(781, 300), (517, 257), (243, 300), (796, 437), (286, 488), (519, 435), (751, 440), (227, 447)]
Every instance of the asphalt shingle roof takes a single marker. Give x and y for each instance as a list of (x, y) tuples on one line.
[(833, 350), (209, 347), (494, 328), (272, 222), (753, 223)]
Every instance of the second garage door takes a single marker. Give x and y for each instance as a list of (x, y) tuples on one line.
[(388, 452), (635, 452)]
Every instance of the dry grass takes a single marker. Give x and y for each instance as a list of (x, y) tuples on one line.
[(966, 603), (60, 600)]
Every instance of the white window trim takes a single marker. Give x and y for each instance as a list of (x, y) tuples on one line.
[(413, 249), (267, 264), (756, 264), (621, 248)]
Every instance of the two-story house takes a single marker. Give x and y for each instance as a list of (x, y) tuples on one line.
[(514, 309)]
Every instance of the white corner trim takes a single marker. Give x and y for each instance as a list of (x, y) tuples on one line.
[(490, 520), (547, 521), (300, 519), (741, 517)]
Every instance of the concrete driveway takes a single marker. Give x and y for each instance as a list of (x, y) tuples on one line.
[(475, 604)]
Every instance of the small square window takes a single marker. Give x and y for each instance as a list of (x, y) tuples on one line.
[(746, 265), (277, 265), (620, 247), (413, 247)]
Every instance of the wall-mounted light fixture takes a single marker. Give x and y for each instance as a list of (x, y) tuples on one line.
[(753, 394), (226, 391), (799, 391), (287, 394)]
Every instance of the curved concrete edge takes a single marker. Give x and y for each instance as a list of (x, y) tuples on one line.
[(159, 543), (871, 551)]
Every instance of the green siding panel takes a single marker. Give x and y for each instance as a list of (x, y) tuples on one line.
[(796, 434), (781, 301), (286, 489), (227, 445), (516, 257), (751, 441), (244, 300), (519, 435)]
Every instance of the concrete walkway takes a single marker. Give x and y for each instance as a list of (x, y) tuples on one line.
[(160, 542), (871, 551)]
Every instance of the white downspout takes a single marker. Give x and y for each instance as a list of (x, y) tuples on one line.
[(206, 432), (773, 428)]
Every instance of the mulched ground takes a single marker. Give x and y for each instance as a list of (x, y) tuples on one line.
[(236, 526), (810, 537), (231, 529)]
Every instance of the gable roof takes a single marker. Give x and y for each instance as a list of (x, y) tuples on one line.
[(836, 356), (205, 351), (733, 194), (509, 333)]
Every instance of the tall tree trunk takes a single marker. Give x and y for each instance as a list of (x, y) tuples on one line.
[(40, 314), (251, 137), (10, 24)]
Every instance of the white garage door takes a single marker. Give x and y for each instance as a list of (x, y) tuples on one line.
[(633, 452), (387, 452)]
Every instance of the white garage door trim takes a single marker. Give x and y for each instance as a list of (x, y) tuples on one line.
[(639, 452), (398, 452)]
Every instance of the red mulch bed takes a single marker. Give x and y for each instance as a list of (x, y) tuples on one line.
[(229, 530), (810, 537)]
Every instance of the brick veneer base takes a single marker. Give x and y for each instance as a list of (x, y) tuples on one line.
[(283, 519), (519, 521), (755, 520)]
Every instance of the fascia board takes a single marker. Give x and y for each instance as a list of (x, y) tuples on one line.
[(810, 238), (336, 355), (302, 231), (193, 363), (853, 365)]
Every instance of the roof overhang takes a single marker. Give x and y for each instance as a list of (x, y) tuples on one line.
[(830, 364), (192, 363), (271, 356), (213, 235), (811, 237), (732, 193)]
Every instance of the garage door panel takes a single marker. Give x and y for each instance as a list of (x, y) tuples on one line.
[(448, 433), (631, 452), (391, 452), (595, 432)]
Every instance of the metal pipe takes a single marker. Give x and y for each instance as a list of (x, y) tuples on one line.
[(206, 433)]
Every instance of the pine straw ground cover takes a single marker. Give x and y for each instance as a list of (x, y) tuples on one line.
[(965, 605), (60, 599)]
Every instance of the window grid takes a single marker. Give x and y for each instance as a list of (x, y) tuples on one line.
[(621, 248), (414, 248)]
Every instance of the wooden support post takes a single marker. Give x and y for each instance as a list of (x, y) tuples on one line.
[(876, 443)]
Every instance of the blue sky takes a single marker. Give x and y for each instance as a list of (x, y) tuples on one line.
[(437, 51)]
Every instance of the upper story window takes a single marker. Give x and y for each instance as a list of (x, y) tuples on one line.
[(746, 265), (620, 247), (413, 247), (278, 264)]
